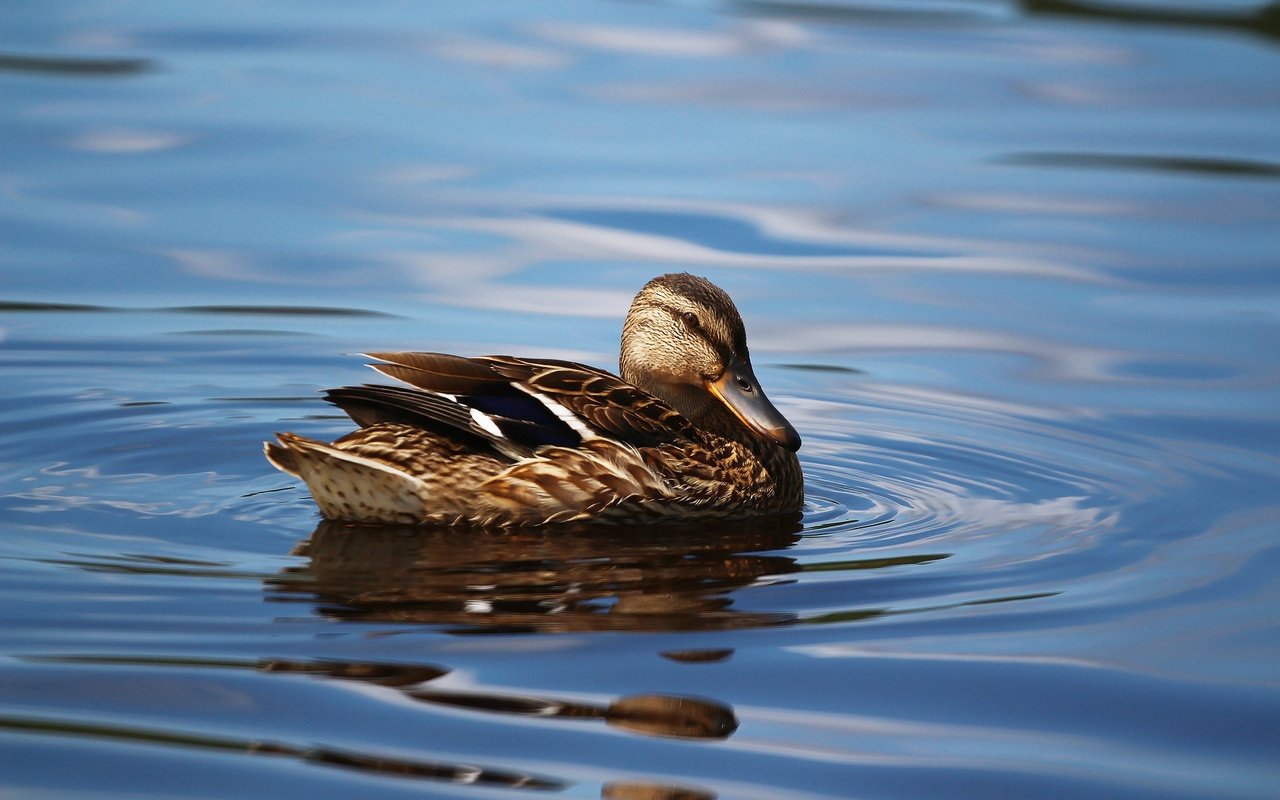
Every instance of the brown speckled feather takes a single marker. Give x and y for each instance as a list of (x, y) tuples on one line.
[(505, 441)]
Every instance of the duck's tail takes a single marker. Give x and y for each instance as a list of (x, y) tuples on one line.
[(347, 486)]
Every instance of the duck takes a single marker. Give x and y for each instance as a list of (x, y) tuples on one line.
[(684, 433)]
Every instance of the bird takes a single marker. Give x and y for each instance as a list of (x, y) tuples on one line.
[(684, 434)]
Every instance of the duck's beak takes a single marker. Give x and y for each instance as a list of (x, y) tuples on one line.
[(738, 389)]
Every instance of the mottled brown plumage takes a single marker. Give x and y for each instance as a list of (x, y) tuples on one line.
[(685, 433)]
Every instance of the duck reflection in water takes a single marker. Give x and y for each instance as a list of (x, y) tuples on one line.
[(650, 714), (541, 580), (653, 714)]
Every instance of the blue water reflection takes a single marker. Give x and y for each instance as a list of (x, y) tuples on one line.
[(1009, 267)]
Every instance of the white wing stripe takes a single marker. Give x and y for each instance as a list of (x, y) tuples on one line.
[(486, 423), (563, 414)]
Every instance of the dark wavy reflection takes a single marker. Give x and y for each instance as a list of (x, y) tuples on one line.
[(541, 580), (1264, 21), (377, 673), (74, 65), (651, 714), (465, 774), (1193, 165), (652, 791), (664, 715)]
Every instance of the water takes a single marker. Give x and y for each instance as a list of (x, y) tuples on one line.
[(1010, 268)]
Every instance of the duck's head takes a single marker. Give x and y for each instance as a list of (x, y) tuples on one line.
[(684, 342)]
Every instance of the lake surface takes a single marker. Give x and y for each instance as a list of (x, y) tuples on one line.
[(1011, 268)]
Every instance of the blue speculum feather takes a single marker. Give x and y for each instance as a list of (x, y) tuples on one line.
[(524, 419)]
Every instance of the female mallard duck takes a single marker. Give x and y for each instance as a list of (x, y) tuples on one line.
[(685, 434)]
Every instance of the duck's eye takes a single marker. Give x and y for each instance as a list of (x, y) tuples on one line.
[(691, 319)]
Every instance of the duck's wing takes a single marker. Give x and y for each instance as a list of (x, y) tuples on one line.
[(539, 402), (443, 415)]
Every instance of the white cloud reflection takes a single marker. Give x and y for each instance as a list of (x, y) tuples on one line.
[(781, 97), (126, 142), (1062, 360), (748, 36), (428, 173), (469, 281), (228, 265), (492, 251), (538, 238), (497, 53), (1009, 203)]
